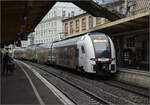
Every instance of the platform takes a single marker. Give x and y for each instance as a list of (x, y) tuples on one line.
[(17, 89), (135, 77)]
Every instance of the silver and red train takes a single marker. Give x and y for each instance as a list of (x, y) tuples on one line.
[(91, 53)]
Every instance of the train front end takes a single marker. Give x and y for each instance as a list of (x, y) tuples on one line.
[(105, 58)]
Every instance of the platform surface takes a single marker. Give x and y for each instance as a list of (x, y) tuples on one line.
[(135, 77), (16, 89)]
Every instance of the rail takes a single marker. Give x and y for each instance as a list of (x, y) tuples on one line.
[(88, 92)]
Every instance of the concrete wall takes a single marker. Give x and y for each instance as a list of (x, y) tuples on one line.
[(134, 77)]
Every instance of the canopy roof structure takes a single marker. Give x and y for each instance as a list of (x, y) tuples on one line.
[(24, 16), (21, 15)]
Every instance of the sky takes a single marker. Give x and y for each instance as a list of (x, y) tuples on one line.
[(68, 4), (64, 4)]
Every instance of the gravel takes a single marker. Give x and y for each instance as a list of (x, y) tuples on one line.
[(113, 94), (71, 92)]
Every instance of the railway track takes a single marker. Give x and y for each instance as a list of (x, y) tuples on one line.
[(128, 87), (125, 86), (89, 92), (95, 98)]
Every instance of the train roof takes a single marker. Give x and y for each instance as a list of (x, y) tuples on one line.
[(66, 42), (73, 40), (46, 45), (34, 45)]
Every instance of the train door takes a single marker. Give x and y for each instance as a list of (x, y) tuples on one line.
[(82, 55)]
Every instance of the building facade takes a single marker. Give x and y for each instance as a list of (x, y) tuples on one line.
[(137, 6), (81, 23), (29, 41), (128, 7), (51, 27)]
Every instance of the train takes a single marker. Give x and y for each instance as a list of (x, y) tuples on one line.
[(92, 53), (19, 53)]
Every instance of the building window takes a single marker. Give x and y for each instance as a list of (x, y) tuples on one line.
[(55, 24), (72, 13), (46, 25), (71, 27), (90, 21), (63, 13), (131, 42), (54, 31), (66, 28), (49, 15), (98, 20), (83, 24), (52, 14), (68, 14), (77, 26), (52, 24), (55, 14)]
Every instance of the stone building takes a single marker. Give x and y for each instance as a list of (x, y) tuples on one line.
[(51, 27), (81, 23)]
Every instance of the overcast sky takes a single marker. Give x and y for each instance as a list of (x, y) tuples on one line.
[(62, 4)]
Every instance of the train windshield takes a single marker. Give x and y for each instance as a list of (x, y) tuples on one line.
[(101, 46)]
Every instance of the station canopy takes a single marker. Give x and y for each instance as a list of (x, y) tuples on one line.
[(17, 16), (23, 16), (137, 24)]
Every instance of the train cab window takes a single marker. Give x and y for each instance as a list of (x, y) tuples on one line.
[(101, 45), (82, 48)]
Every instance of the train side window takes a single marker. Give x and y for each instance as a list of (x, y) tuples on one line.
[(82, 48), (77, 52)]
